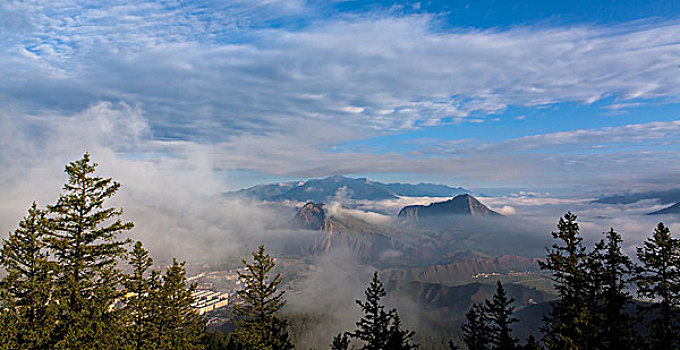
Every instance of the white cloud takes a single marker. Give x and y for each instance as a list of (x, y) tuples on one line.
[(214, 79), (584, 138), (507, 210), (336, 209), (169, 189), (233, 78)]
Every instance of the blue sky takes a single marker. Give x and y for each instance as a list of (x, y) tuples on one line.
[(568, 96)]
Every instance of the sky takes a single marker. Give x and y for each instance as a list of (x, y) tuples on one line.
[(572, 97)]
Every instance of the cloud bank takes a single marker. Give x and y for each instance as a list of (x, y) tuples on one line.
[(170, 98)]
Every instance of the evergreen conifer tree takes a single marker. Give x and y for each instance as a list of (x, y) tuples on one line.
[(340, 342), (373, 328), (217, 341), (476, 330), (139, 299), (29, 313), (84, 239), (154, 316), (659, 279), (258, 325), (612, 276), (398, 338), (568, 325), (499, 315), (179, 325), (453, 346), (532, 344)]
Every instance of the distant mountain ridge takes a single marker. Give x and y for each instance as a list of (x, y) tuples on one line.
[(667, 196), (463, 204), (673, 209), (321, 190)]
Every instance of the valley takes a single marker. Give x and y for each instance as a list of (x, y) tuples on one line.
[(436, 260)]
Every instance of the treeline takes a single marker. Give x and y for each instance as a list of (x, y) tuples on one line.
[(596, 309), (63, 288)]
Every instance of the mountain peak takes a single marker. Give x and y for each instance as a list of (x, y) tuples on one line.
[(463, 204), (336, 178), (310, 217)]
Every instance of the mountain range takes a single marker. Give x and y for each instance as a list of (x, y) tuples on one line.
[(664, 197), (461, 227), (325, 189)]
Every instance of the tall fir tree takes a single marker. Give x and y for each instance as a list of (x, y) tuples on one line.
[(29, 313), (568, 325), (453, 346), (476, 330), (399, 338), (178, 324), (140, 300), (612, 271), (340, 342), (659, 280), (373, 327), (84, 239), (499, 312), (258, 324), (531, 344), (154, 316)]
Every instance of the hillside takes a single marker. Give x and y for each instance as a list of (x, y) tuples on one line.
[(463, 271), (453, 302)]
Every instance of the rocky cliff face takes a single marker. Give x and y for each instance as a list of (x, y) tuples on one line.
[(363, 239), (310, 217), (460, 205)]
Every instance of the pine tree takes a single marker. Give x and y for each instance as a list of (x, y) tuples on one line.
[(154, 316), (258, 326), (613, 274), (532, 344), (373, 328), (179, 326), (593, 296), (476, 330), (659, 279), (85, 243), (453, 346), (30, 312), (139, 299), (398, 338), (499, 315), (568, 325), (217, 341), (340, 342)]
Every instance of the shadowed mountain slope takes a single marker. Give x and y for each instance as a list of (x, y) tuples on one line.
[(673, 209), (464, 204)]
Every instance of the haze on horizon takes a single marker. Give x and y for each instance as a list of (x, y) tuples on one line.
[(563, 100)]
